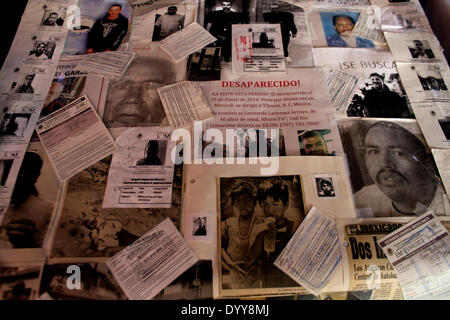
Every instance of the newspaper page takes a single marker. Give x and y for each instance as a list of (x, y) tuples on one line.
[(342, 87), (419, 253), (416, 178), (140, 7), (69, 84), (414, 47), (434, 123), (74, 138), (90, 32), (380, 93), (442, 159), (111, 65), (366, 267), (332, 27), (294, 103), (425, 81), (186, 41), (257, 48), (184, 103), (141, 173), (152, 262), (403, 17), (313, 253), (368, 26)]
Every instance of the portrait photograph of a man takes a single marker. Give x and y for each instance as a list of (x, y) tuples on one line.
[(108, 32), (42, 50), (420, 49), (134, 101), (53, 18), (219, 16), (381, 96), (392, 170), (168, 22), (338, 27)]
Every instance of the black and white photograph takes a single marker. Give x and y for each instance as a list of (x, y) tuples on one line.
[(168, 20), (425, 81), (19, 283), (14, 124), (194, 284), (96, 282), (86, 229), (200, 226), (134, 101), (325, 187), (33, 202), (445, 126), (420, 49), (248, 143), (26, 86), (297, 47), (217, 16), (392, 170), (414, 47), (53, 17), (260, 40), (432, 81), (204, 65), (42, 50), (258, 216), (5, 167), (154, 154), (380, 96), (380, 92)]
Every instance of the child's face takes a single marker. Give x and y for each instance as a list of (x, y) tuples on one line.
[(243, 205), (273, 208)]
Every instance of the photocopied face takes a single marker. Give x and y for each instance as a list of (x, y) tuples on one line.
[(134, 101), (393, 162)]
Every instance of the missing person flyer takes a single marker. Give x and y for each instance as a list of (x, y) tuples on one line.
[(74, 138), (141, 174), (257, 48)]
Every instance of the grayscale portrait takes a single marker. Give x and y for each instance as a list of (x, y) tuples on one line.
[(134, 101), (392, 170)]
